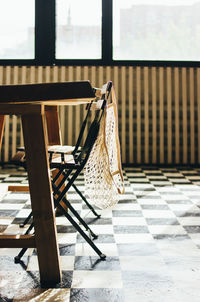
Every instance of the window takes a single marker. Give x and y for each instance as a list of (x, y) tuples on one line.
[(100, 32), (17, 29), (166, 30), (78, 29)]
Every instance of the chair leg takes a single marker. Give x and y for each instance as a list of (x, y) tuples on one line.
[(65, 177), (57, 202), (58, 186), (73, 222), (17, 259), (81, 195), (86, 202), (84, 235), (68, 185), (68, 204), (28, 218)]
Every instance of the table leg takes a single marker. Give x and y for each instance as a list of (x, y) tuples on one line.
[(41, 198)]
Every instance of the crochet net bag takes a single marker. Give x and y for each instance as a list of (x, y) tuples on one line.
[(103, 174)]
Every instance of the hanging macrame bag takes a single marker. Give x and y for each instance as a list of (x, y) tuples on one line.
[(103, 173)]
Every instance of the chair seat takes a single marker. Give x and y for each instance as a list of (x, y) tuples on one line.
[(68, 159), (61, 149), (55, 150)]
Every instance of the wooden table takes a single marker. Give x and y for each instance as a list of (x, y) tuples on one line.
[(29, 101)]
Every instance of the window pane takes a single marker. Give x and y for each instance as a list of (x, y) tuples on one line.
[(78, 29), (17, 27), (156, 30)]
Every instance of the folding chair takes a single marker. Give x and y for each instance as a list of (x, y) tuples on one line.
[(69, 166), (20, 160)]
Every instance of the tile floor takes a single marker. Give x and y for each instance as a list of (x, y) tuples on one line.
[(151, 239)]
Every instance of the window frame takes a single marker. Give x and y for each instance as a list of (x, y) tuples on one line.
[(45, 36)]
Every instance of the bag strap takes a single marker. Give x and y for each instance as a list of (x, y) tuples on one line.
[(113, 104)]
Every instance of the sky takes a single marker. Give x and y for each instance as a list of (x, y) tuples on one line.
[(118, 4)]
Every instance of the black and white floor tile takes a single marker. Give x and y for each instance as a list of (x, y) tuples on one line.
[(151, 239)]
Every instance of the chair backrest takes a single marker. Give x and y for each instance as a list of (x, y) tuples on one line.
[(81, 154), (90, 139), (83, 127), (94, 127), (104, 94)]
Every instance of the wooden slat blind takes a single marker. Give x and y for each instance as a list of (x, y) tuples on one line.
[(159, 109)]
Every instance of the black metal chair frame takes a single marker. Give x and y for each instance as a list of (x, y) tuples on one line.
[(76, 147)]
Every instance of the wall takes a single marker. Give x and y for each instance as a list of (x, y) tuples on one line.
[(159, 109)]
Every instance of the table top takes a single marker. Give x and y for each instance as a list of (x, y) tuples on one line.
[(77, 92)]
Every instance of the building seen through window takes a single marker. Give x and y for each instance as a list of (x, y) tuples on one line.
[(156, 30), (78, 29)]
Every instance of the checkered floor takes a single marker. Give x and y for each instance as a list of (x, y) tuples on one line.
[(151, 239)]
